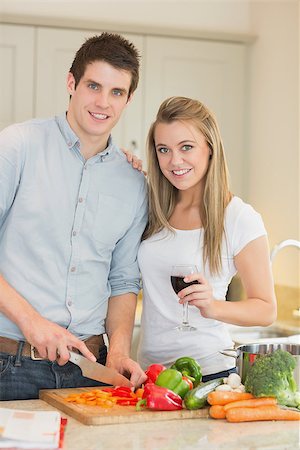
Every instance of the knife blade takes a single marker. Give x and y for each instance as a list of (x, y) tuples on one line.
[(98, 372)]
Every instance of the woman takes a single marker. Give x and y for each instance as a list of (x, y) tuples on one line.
[(194, 219)]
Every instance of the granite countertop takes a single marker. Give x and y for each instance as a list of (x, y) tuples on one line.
[(173, 435)]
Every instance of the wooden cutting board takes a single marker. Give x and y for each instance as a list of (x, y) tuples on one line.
[(96, 415)]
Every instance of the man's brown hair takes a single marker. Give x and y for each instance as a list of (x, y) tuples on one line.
[(111, 48)]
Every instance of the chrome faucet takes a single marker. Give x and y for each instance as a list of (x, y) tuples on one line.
[(276, 249), (283, 244)]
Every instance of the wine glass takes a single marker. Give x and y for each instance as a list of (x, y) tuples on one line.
[(178, 273)]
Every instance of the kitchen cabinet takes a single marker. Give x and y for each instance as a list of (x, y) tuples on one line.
[(17, 73), (212, 72), (34, 82)]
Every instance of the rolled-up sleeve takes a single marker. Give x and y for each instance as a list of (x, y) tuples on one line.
[(124, 274), (11, 162)]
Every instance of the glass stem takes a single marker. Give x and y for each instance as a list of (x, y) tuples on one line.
[(185, 314)]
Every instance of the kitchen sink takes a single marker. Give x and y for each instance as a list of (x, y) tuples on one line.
[(241, 335)]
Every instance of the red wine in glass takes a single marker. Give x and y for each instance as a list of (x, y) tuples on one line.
[(178, 284), (178, 273)]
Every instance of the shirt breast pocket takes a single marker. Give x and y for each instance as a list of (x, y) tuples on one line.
[(112, 220)]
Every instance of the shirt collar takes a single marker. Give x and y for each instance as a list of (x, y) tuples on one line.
[(67, 132), (72, 139)]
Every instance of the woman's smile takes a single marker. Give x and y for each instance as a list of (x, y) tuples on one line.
[(180, 172)]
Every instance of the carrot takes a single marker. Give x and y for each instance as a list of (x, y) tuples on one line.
[(251, 403), (261, 413), (139, 393), (94, 397), (224, 397), (105, 398), (217, 412)]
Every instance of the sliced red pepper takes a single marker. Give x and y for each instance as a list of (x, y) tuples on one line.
[(108, 389), (121, 394), (127, 402), (123, 389)]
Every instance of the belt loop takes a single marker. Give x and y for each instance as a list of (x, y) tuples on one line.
[(18, 362)]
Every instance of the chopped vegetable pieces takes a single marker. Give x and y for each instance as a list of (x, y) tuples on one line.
[(96, 397), (107, 397)]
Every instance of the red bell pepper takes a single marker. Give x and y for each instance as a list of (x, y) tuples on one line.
[(153, 371), (159, 398)]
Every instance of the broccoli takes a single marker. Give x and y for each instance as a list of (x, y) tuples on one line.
[(272, 375)]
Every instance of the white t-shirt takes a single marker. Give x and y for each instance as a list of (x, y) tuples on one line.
[(160, 342)]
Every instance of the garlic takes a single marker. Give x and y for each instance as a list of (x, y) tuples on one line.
[(234, 380)]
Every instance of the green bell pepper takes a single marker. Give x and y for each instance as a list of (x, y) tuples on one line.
[(189, 368), (172, 379)]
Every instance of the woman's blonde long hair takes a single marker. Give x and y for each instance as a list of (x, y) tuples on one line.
[(216, 196)]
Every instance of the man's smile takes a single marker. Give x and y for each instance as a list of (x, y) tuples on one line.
[(99, 116)]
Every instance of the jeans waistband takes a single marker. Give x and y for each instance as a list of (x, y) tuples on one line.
[(22, 348)]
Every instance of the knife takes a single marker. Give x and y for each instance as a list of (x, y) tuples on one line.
[(98, 372)]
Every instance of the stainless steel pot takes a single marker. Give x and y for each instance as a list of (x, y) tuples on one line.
[(245, 356)]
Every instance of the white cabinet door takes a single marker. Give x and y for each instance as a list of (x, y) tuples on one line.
[(212, 72), (16, 74), (56, 49)]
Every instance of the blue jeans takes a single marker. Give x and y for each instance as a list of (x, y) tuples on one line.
[(223, 374), (21, 382)]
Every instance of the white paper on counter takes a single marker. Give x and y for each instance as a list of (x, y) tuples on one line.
[(29, 429)]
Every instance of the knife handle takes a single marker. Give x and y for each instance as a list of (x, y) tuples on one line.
[(74, 357)]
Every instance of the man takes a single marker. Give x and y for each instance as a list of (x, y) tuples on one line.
[(72, 212)]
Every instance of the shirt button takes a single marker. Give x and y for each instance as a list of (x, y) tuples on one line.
[(73, 269), (80, 199), (70, 303), (74, 233)]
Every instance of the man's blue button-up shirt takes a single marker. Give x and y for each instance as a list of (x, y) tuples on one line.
[(69, 228)]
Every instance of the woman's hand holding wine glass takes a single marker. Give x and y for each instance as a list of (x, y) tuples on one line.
[(192, 289), (198, 293), (178, 275)]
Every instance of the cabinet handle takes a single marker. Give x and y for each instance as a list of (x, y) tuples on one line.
[(133, 146)]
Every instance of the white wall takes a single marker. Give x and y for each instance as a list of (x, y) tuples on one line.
[(272, 153), (222, 15)]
